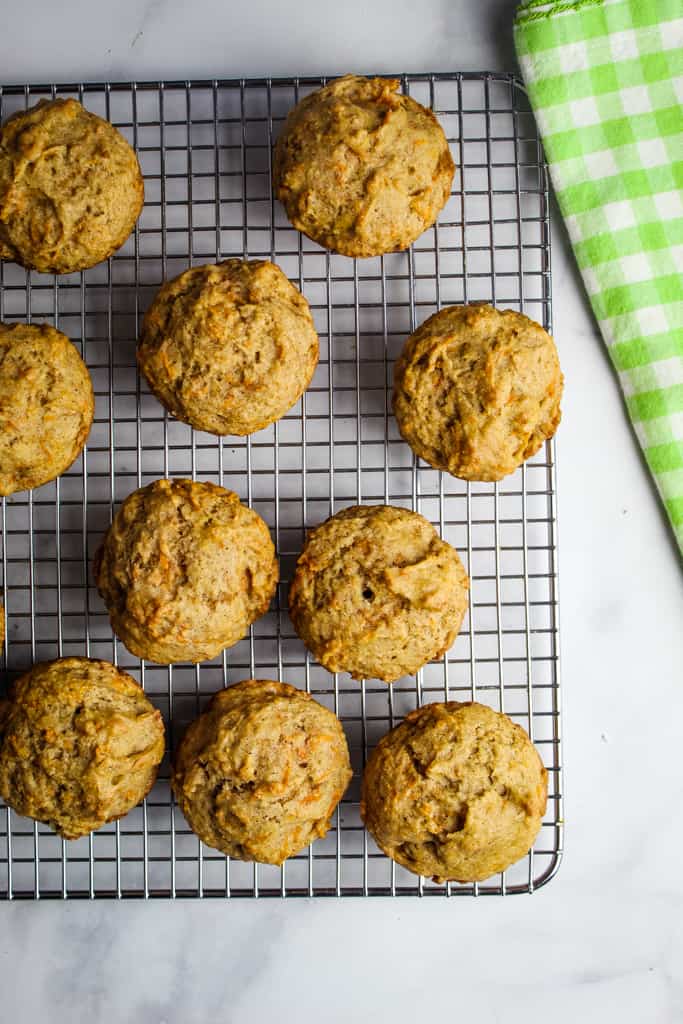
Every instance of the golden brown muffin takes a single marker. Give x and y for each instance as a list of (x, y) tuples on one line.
[(361, 168), (229, 348), (377, 593), (184, 570), (70, 188), (259, 773), (80, 745), (477, 391), (46, 405), (456, 791)]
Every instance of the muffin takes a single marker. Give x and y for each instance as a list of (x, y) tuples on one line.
[(70, 188), (46, 405), (259, 773), (377, 593), (229, 348), (456, 791), (80, 745), (361, 168), (477, 391), (184, 570)]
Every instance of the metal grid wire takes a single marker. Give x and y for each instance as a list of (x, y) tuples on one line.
[(205, 151)]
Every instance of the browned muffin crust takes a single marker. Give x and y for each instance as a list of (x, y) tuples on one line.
[(361, 168), (377, 593), (71, 188), (477, 391), (46, 405), (229, 348), (80, 745), (259, 774), (184, 570), (456, 791)]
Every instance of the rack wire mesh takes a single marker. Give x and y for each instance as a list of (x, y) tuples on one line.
[(205, 151)]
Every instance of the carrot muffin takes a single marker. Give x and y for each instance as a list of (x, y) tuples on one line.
[(377, 593), (477, 391), (184, 570), (46, 405), (229, 348), (361, 168), (80, 745), (71, 188), (259, 774), (456, 791)]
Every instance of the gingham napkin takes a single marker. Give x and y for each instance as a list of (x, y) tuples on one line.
[(605, 80)]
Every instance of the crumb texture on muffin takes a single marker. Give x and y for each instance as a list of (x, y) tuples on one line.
[(377, 593), (456, 791), (477, 391), (184, 570), (80, 745), (259, 774), (229, 348), (71, 188), (46, 405), (361, 168)]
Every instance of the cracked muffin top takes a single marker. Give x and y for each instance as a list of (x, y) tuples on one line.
[(477, 391), (71, 188), (377, 593), (259, 774), (362, 169), (456, 791), (184, 570), (80, 745), (46, 405), (229, 348)]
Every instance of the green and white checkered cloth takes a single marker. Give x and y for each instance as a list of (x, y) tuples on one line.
[(605, 80)]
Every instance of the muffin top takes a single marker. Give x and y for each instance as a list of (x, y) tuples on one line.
[(377, 593), (361, 168), (80, 745), (477, 391), (70, 188), (229, 348), (184, 570), (46, 405), (456, 791), (260, 772)]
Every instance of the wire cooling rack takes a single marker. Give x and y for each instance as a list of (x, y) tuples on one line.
[(205, 151)]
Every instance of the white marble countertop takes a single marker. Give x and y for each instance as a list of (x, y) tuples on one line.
[(604, 940)]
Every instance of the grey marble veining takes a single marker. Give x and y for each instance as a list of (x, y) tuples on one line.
[(604, 941)]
